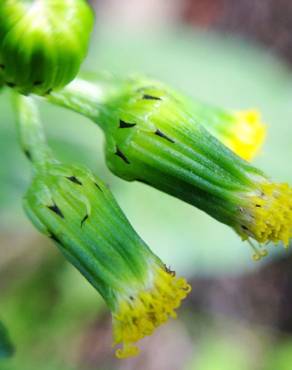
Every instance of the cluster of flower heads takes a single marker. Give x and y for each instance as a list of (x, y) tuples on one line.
[(186, 148)]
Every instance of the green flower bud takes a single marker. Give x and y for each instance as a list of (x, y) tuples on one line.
[(154, 136), (78, 212), (6, 348), (43, 42)]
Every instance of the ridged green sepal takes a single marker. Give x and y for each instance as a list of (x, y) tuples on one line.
[(152, 137)]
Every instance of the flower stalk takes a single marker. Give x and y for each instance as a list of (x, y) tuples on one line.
[(31, 137)]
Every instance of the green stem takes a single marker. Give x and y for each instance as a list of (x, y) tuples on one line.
[(84, 97), (30, 131)]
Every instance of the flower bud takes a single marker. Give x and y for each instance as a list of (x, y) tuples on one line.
[(78, 212), (241, 131), (43, 43), (154, 135)]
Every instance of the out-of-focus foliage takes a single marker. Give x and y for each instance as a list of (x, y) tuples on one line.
[(47, 308), (6, 348)]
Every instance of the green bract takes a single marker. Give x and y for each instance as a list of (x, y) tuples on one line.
[(43, 42), (78, 212), (75, 209)]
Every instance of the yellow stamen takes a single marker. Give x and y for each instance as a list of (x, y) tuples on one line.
[(138, 316), (258, 253), (248, 134), (269, 215)]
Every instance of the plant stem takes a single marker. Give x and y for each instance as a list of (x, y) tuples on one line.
[(84, 97), (30, 131)]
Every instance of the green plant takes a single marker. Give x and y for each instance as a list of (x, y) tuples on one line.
[(154, 135)]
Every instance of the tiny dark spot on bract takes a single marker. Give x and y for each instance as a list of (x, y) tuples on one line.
[(163, 136), (74, 179), (150, 97), (84, 219), (120, 154), (258, 205), (2, 66), (124, 124), (55, 238), (244, 227), (56, 210), (27, 154), (98, 187)]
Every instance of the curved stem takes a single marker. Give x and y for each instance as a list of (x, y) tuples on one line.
[(84, 97), (30, 131)]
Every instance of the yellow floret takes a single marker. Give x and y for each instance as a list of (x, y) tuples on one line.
[(273, 213), (248, 134), (268, 217), (138, 316)]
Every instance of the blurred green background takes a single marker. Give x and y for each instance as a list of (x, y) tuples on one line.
[(239, 313)]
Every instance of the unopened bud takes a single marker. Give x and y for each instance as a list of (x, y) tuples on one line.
[(43, 42)]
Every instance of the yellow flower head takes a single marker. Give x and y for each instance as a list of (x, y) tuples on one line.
[(247, 134), (267, 215), (142, 310)]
